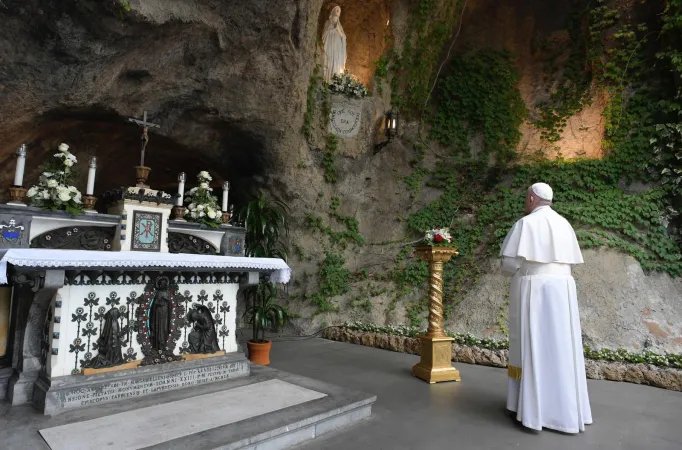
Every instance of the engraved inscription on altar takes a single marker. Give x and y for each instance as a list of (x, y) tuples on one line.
[(153, 384), (345, 119)]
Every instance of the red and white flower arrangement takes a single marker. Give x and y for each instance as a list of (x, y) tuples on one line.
[(438, 236)]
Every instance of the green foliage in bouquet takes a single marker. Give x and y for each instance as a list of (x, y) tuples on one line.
[(348, 85), (54, 190), (202, 206)]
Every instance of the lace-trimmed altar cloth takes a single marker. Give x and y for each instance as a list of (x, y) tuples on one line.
[(63, 259)]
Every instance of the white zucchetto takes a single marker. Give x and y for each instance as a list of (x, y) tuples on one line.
[(542, 191)]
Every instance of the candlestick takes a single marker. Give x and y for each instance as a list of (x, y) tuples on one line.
[(89, 204), (90, 189), (226, 191), (181, 188), (227, 215), (21, 163)]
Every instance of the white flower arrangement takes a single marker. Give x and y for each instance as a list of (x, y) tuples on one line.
[(438, 236), (348, 85), (202, 207), (54, 190)]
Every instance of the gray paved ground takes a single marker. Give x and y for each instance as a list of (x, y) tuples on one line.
[(410, 414)]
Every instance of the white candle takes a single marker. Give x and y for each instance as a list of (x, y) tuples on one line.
[(181, 188), (90, 190), (21, 163), (226, 190)]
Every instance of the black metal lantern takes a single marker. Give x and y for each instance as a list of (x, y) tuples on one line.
[(390, 130), (391, 124)]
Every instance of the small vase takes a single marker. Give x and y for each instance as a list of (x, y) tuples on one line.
[(259, 352), (89, 203), (141, 175), (17, 195), (179, 213)]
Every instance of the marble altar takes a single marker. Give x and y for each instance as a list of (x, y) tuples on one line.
[(78, 295)]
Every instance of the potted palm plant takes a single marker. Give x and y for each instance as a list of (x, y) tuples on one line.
[(266, 222), (263, 313)]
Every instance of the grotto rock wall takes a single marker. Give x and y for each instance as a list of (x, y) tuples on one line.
[(224, 80), (227, 82), (620, 306)]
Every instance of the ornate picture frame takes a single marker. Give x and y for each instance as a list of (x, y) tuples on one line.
[(147, 231)]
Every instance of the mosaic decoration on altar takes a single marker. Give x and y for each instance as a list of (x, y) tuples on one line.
[(187, 243), (203, 337), (146, 231), (235, 245), (11, 232), (217, 309), (99, 335), (160, 320), (224, 309), (76, 238), (137, 277), (139, 195), (130, 354), (184, 348)]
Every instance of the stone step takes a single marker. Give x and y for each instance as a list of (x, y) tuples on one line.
[(267, 410)]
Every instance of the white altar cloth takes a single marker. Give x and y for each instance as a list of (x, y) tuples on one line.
[(281, 272)]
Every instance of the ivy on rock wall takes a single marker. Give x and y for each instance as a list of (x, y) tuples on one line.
[(480, 97), (412, 68), (629, 200), (482, 188)]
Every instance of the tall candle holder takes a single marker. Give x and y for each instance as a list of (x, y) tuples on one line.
[(227, 215), (182, 177), (226, 192), (178, 209), (89, 199), (17, 193)]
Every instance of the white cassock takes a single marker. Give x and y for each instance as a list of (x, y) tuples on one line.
[(547, 383)]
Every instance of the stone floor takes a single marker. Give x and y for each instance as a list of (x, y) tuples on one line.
[(410, 414)]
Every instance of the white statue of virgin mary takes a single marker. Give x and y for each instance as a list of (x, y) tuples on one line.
[(334, 40)]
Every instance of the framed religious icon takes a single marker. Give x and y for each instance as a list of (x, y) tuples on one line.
[(146, 231), (235, 244)]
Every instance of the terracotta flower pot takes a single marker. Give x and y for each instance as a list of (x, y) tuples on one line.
[(259, 353)]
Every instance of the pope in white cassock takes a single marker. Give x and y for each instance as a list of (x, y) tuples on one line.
[(547, 383)]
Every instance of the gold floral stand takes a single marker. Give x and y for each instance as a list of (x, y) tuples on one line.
[(436, 347)]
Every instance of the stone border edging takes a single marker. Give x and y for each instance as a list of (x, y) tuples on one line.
[(665, 378)]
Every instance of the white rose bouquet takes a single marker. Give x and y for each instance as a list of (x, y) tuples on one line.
[(202, 207), (54, 190), (348, 85)]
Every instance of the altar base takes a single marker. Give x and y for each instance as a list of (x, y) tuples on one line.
[(59, 394)]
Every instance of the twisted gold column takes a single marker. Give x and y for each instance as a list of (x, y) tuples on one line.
[(436, 347), (435, 299)]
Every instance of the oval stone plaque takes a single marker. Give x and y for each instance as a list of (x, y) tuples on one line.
[(345, 119)]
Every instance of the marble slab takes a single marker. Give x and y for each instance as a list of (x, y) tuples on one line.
[(157, 424)]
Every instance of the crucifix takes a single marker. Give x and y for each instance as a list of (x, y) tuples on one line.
[(145, 137)]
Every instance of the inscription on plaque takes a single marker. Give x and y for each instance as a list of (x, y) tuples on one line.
[(152, 384), (345, 119)]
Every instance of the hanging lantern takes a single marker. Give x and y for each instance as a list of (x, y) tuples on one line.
[(391, 124), (390, 130)]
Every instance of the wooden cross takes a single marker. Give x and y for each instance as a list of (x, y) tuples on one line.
[(145, 137)]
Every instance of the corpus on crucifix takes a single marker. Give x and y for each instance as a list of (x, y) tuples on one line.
[(142, 170)]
